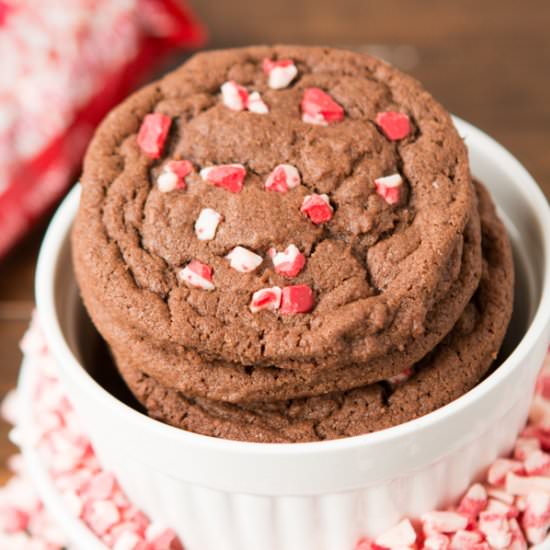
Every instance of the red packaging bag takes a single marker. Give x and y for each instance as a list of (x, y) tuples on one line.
[(63, 65)]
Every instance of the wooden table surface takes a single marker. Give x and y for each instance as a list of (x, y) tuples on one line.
[(488, 62)]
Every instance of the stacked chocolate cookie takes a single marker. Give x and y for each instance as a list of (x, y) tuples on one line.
[(285, 244)]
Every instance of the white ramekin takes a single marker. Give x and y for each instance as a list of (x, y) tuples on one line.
[(227, 495)]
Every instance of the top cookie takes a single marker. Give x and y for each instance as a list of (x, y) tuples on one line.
[(325, 176)]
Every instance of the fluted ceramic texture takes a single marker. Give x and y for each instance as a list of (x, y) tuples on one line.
[(208, 519)]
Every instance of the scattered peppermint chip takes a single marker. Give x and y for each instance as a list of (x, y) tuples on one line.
[(234, 96), (319, 108), (173, 176), (256, 104), (152, 134), (227, 176), (389, 188), (283, 178), (395, 125), (296, 299), (402, 535), (317, 208), (401, 377), (198, 275), (266, 298), (243, 260), (280, 73), (288, 263), (207, 224)]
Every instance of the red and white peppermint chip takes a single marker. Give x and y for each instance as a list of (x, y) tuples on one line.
[(519, 485), (282, 178), (437, 541), (266, 298), (401, 377), (101, 515), (500, 508), (207, 224), (198, 275), (173, 176), (234, 96), (317, 208), (500, 467), (537, 464), (474, 501), (395, 125), (444, 522), (289, 262), (536, 517), (255, 104), (296, 299), (467, 540), (319, 108), (389, 188), (400, 536), (152, 134), (518, 539), (496, 529), (280, 73), (226, 176), (243, 260)]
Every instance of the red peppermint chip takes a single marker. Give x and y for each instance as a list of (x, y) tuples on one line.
[(319, 108), (317, 208), (198, 275), (181, 168), (389, 188), (296, 299), (234, 96), (280, 72), (283, 178), (266, 298), (288, 263), (395, 125), (152, 134), (227, 176)]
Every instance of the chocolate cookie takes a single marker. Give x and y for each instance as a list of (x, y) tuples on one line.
[(186, 371), (291, 208), (451, 369)]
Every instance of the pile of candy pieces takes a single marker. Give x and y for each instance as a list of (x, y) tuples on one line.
[(90, 493), (510, 510), (65, 64)]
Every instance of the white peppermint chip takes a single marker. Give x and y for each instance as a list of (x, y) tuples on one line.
[(167, 181), (281, 77), (231, 96), (243, 260), (255, 104), (395, 180), (207, 224)]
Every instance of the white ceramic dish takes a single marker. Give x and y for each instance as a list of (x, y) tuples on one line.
[(227, 495)]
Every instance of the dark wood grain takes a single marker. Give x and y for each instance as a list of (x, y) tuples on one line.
[(485, 61)]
